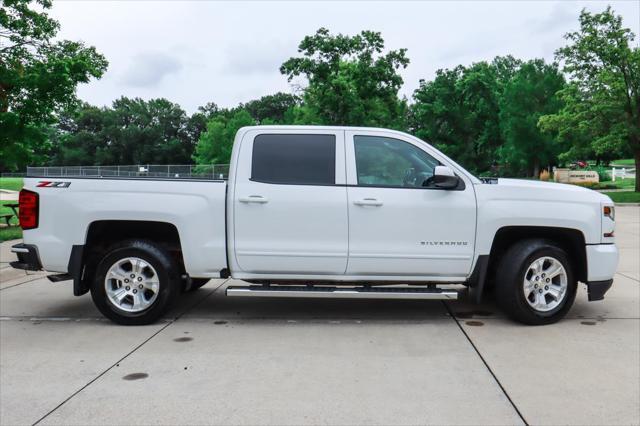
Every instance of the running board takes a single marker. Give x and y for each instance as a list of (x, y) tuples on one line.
[(401, 293)]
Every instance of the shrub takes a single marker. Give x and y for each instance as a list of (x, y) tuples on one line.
[(545, 175), (591, 185), (603, 172)]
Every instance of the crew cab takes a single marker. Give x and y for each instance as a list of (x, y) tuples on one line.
[(309, 211)]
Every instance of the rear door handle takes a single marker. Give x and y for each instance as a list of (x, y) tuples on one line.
[(368, 202), (259, 199)]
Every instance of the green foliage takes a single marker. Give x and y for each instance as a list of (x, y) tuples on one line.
[(38, 77), (215, 144), (604, 173), (272, 109), (487, 114), (458, 113), (601, 115), (132, 131), (350, 80), (527, 95)]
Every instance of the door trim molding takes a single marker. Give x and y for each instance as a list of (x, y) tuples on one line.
[(409, 256), (288, 254)]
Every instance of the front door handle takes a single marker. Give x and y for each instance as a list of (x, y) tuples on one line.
[(368, 202), (259, 199)]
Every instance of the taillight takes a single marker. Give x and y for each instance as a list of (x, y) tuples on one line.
[(28, 209)]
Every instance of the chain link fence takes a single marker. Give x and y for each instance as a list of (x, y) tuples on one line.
[(170, 171)]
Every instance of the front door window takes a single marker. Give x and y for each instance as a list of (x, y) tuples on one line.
[(388, 162)]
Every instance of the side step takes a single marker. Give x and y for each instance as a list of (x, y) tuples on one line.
[(59, 277), (404, 293)]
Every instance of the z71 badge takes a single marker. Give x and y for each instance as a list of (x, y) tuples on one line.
[(49, 184)]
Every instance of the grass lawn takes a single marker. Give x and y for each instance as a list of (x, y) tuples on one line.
[(626, 162), (12, 183), (624, 197), (13, 232), (618, 184)]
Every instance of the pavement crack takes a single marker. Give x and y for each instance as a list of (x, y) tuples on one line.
[(164, 327), (23, 282), (627, 276), (475, 348)]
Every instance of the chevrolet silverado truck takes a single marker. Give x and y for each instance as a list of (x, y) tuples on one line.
[(321, 212)]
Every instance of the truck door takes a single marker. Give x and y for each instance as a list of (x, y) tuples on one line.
[(290, 203), (397, 227)]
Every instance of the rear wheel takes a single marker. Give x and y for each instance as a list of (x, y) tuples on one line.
[(135, 283), (535, 283)]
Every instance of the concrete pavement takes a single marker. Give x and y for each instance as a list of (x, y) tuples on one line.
[(8, 195), (217, 360)]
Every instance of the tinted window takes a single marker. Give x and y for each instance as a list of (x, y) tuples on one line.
[(294, 159), (384, 161)]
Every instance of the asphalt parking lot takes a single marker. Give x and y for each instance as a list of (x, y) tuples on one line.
[(217, 360)]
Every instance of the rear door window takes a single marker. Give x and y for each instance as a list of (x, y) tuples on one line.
[(294, 159)]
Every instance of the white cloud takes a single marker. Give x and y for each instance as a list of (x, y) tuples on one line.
[(257, 57), (229, 52), (148, 69)]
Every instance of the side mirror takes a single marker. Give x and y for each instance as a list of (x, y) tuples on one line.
[(443, 178)]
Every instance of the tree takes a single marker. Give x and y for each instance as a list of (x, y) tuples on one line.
[(78, 136), (530, 93), (272, 109), (197, 123), (602, 101), (459, 110), (38, 77), (350, 80), (214, 146), (132, 131)]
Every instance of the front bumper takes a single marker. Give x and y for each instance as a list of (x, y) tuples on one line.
[(602, 261), (597, 289), (27, 257)]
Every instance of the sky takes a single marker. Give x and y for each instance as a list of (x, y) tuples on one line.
[(194, 52)]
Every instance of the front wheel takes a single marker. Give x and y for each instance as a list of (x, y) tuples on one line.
[(135, 283), (535, 283)]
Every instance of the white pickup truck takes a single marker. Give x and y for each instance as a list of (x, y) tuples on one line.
[(308, 211)]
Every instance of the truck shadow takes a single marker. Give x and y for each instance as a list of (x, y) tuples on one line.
[(210, 303), (218, 306)]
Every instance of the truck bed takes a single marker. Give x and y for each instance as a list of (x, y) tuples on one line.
[(69, 206)]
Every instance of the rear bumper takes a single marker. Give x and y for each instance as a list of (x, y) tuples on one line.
[(28, 258), (597, 289)]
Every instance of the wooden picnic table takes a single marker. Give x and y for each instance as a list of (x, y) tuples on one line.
[(13, 206), (7, 217)]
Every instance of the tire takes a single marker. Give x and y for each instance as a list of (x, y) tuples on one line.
[(141, 264), (521, 287), (196, 283)]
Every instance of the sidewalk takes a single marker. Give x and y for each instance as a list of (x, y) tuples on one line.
[(8, 195)]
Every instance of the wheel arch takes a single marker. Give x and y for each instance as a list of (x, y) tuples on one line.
[(102, 234), (572, 241)]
